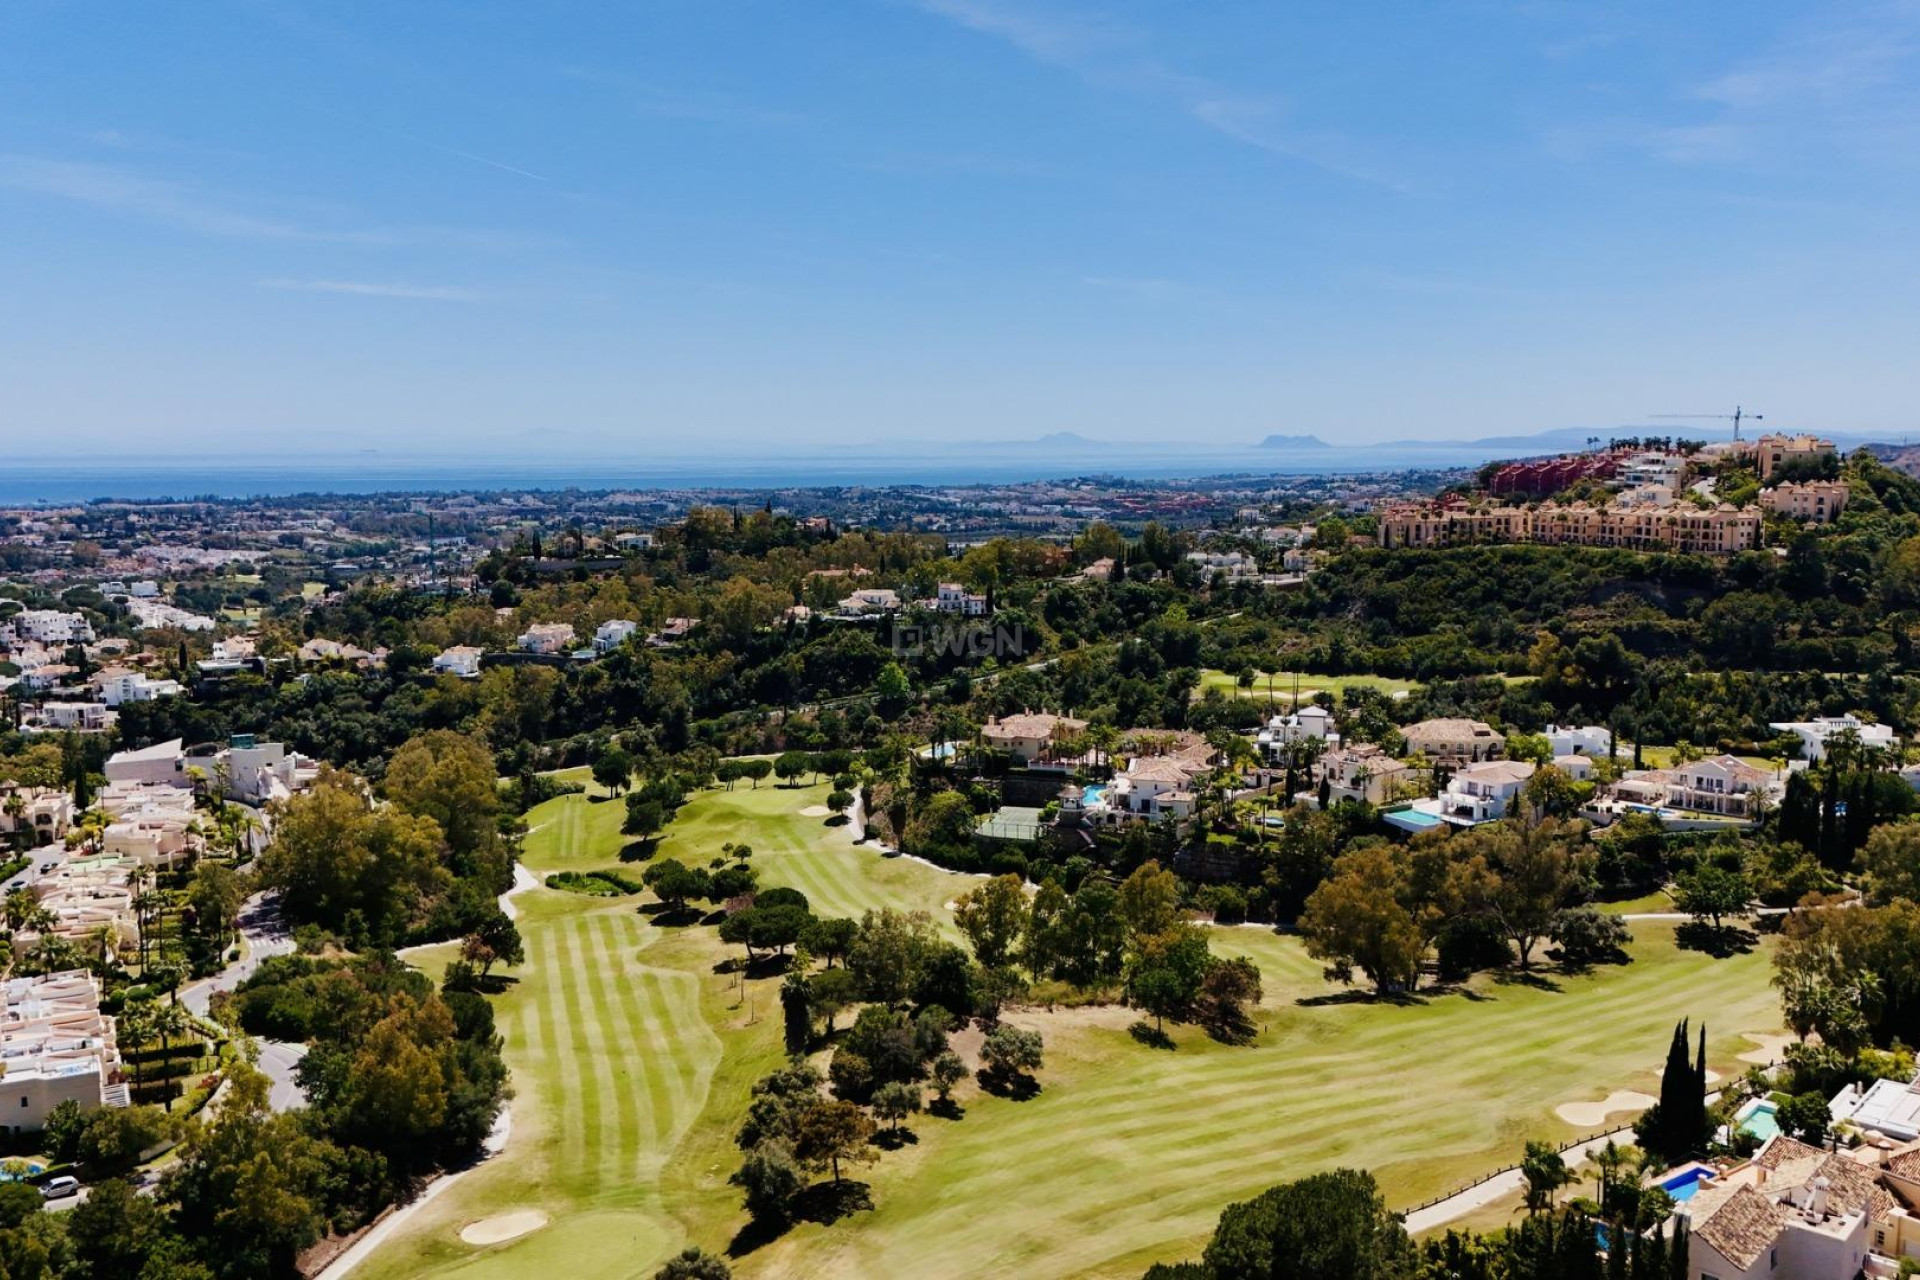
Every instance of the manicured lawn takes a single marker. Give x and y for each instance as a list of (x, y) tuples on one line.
[(625, 1103), (1282, 684), (1137, 1150), (1655, 757), (632, 1059)]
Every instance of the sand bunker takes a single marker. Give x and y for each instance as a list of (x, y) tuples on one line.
[(1589, 1115), (504, 1227), (1768, 1050), (815, 811)]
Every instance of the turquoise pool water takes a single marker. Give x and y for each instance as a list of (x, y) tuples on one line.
[(1090, 795), (1415, 817), (1682, 1185), (1761, 1122)]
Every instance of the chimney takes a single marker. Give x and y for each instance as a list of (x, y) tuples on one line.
[(1817, 1200)]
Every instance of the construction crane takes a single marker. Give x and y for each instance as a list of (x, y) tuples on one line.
[(1738, 416)]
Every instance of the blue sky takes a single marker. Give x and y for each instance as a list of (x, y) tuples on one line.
[(711, 225)]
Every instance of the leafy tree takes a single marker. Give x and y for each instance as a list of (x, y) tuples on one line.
[(1230, 989), (1331, 1226), (796, 1012), (1588, 936), (675, 882), (830, 1132), (450, 778), (791, 765), (770, 1180), (1008, 1053), (1356, 921), (1149, 900), (829, 938), (890, 951), (645, 817), (613, 769), (694, 1263), (341, 862), (993, 915), (1806, 1117), (1890, 860), (1712, 892), (1166, 970), (895, 1101), (948, 1071)]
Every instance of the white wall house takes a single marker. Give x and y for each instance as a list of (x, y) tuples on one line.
[(547, 638), (1586, 740), (1310, 721), (610, 635), (52, 626), (1484, 792), (135, 686), (163, 763), (461, 660), (1813, 734), (56, 1047), (954, 598)]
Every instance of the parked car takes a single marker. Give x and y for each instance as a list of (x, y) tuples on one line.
[(60, 1187)]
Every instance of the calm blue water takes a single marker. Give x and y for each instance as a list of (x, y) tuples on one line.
[(1090, 795), (1683, 1185), (1763, 1123), (59, 480)]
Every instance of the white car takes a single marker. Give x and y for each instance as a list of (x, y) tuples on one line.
[(59, 1188)]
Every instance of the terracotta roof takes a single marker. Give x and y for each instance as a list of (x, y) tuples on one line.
[(1743, 1227), (1451, 728), (1496, 771), (1031, 725), (1161, 769)]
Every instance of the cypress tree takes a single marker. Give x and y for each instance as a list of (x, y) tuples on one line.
[(1676, 1108), (1699, 1112), (1677, 1252)]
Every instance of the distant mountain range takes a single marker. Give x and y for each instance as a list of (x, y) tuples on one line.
[(1293, 442)]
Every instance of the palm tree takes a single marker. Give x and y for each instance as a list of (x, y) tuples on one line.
[(18, 908)]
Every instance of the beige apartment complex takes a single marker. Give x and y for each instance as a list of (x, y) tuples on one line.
[(1713, 531)]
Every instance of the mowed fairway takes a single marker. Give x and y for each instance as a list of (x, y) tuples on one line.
[(1128, 1154), (614, 1033), (633, 1059)]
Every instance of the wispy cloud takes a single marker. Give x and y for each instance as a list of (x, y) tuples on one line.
[(1836, 87), (1103, 53), (377, 289), (223, 215), (441, 147), (157, 199)]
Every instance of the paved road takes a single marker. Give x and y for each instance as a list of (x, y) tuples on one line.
[(266, 936)]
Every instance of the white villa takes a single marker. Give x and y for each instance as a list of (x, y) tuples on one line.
[(52, 626), (954, 598), (1813, 734), (1719, 787), (871, 600), (152, 824), (1455, 741), (1150, 787), (1793, 1211), (1030, 737), (1309, 721), (461, 660), (163, 763), (55, 1046), (613, 633), (81, 717), (546, 638), (1587, 740), (117, 687), (45, 814), (1484, 792), (1363, 772)]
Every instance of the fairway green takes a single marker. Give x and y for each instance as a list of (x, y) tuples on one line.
[(632, 1060)]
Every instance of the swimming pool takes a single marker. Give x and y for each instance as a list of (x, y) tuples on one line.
[(1759, 1118), (1409, 819), (1682, 1185), (1090, 795)]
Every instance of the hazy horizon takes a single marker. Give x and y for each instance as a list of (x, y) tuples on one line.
[(473, 229)]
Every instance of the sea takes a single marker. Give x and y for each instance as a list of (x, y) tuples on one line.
[(55, 481)]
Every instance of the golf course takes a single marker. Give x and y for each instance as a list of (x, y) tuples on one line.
[(632, 1058)]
